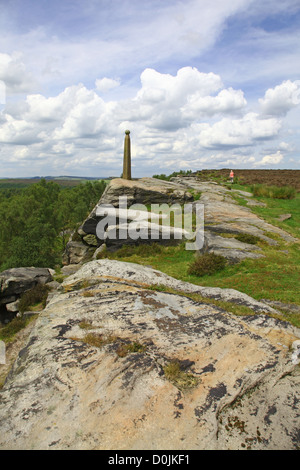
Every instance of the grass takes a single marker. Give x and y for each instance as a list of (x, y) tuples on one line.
[(275, 207), (276, 276), (96, 340), (247, 238), (274, 192), (208, 263), (86, 325), (182, 380), (35, 297), (129, 348), (8, 332), (273, 277)]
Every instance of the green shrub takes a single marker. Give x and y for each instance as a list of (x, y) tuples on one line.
[(38, 294), (12, 328), (182, 380), (96, 340), (209, 263), (247, 238), (143, 250), (275, 192), (133, 347)]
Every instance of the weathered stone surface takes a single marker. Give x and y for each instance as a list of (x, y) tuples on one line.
[(145, 191), (284, 217), (13, 307), (76, 252), (230, 248), (288, 308), (142, 275), (222, 214), (238, 388), (15, 281)]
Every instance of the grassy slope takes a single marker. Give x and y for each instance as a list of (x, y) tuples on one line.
[(274, 277)]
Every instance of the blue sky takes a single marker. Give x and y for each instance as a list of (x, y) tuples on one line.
[(200, 84)]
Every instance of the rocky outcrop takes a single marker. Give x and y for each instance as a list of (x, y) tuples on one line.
[(146, 191), (224, 218), (77, 252), (14, 282), (143, 275), (112, 363), (143, 191)]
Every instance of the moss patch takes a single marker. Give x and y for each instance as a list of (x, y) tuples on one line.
[(181, 379), (209, 263)]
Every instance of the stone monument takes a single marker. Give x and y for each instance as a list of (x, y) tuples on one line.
[(127, 157)]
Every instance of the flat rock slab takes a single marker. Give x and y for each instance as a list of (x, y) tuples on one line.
[(145, 191), (15, 281), (284, 217), (220, 210), (145, 276), (237, 388)]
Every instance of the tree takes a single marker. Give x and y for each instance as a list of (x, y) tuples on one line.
[(35, 220)]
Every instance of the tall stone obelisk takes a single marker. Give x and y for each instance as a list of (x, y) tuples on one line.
[(127, 157)]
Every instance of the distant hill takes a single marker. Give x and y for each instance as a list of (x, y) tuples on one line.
[(61, 180)]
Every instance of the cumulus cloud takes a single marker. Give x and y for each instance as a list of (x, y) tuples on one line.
[(105, 84), (14, 74), (171, 102), (273, 159), (227, 101), (86, 118), (238, 132), (188, 119), (279, 100)]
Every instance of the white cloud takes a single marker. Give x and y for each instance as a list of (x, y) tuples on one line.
[(286, 146), (119, 38), (18, 131), (170, 102), (86, 118), (238, 132), (184, 120), (105, 84), (187, 81), (273, 159), (227, 101), (279, 100), (14, 74)]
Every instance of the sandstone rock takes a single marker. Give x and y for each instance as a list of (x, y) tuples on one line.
[(145, 191), (237, 388), (221, 214), (284, 217), (146, 232), (13, 307), (230, 248), (77, 252), (142, 275), (288, 308), (90, 240), (15, 281), (238, 227)]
